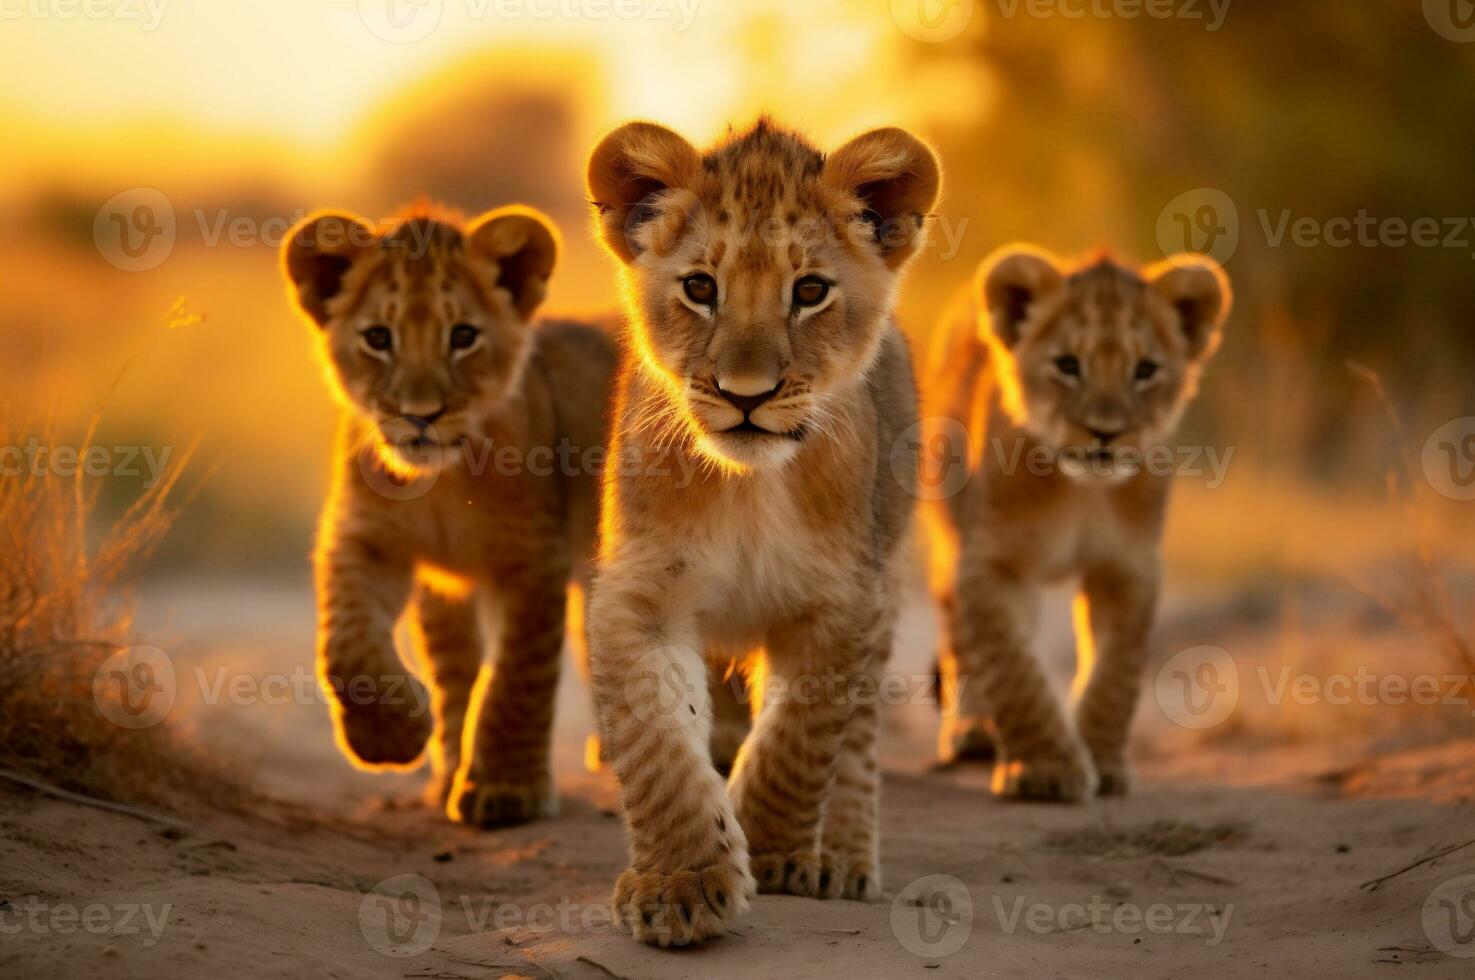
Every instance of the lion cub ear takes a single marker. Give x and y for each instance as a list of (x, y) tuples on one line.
[(1010, 282), (522, 244), (317, 255), (629, 172), (896, 178), (1197, 289)]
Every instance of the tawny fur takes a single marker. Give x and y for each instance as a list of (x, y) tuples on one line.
[(1084, 512), (492, 506), (786, 540)]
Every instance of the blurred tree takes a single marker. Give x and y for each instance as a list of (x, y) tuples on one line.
[(485, 133), (1318, 109)]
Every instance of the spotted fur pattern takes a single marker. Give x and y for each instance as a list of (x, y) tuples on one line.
[(1094, 367), (786, 538), (448, 494)]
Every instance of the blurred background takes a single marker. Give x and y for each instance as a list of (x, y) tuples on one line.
[(156, 153)]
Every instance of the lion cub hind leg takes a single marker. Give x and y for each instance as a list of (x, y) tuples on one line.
[(966, 737), (506, 777), (1039, 758), (731, 716), (1120, 607), (785, 773), (850, 848)]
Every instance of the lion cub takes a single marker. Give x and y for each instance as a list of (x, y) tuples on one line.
[(453, 466), (760, 276), (1068, 382)]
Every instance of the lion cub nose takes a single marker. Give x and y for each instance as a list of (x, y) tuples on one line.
[(749, 402), (423, 420)]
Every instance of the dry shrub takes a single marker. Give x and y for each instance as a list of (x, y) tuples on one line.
[(63, 613)]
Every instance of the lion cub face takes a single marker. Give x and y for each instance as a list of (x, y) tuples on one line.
[(425, 328), (761, 272), (1099, 362)]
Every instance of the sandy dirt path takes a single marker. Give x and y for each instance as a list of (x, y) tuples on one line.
[(1228, 860)]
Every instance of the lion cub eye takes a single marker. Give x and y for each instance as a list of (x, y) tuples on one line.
[(378, 338), (463, 336), (701, 288), (1146, 370), (810, 291), (1068, 365)]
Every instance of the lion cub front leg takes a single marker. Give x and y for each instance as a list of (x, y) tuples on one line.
[(688, 875), (1120, 604), (507, 778), (784, 773), (380, 711), (1038, 758)]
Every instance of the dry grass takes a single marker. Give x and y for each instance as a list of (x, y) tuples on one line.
[(1423, 601), (62, 615)]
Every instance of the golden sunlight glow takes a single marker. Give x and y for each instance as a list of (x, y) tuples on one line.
[(1011, 397), (1080, 614), (288, 80), (941, 543), (443, 583), (479, 692)]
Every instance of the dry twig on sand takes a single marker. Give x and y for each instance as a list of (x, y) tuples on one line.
[(1377, 883), (92, 801)]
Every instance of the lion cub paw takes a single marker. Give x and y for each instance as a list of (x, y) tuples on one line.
[(683, 907), (794, 873), (840, 877), (1114, 778), (968, 742), (488, 804), (382, 732), (1064, 778)]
